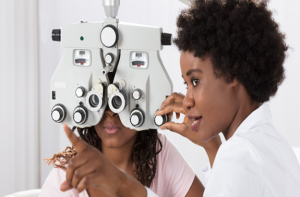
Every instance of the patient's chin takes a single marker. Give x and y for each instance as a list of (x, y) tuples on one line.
[(113, 142)]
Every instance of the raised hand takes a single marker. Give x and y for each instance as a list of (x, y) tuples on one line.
[(174, 103), (91, 168)]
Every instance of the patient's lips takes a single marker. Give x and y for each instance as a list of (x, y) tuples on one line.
[(111, 128)]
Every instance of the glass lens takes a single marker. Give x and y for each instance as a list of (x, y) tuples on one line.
[(94, 100), (116, 102)]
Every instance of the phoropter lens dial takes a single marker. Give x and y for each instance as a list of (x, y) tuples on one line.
[(109, 36), (80, 115), (137, 94), (160, 120), (80, 92), (137, 117), (58, 113)]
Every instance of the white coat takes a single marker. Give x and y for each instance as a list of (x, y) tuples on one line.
[(255, 162)]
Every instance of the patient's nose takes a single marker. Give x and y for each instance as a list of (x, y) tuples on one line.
[(108, 112)]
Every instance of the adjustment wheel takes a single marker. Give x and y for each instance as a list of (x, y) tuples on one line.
[(80, 92), (80, 115), (109, 58), (137, 117), (137, 94), (58, 113), (109, 36), (160, 120)]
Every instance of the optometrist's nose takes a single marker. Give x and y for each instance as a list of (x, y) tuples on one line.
[(188, 101)]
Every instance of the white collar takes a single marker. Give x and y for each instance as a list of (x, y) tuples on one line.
[(260, 115)]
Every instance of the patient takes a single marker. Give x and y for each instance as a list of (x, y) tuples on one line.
[(147, 156)]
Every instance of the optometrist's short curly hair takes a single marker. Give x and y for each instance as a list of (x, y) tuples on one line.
[(242, 39)]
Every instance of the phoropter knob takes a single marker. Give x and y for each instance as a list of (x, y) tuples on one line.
[(160, 120), (56, 35), (109, 36), (137, 117), (137, 94), (80, 115), (80, 92), (166, 39), (58, 113), (109, 58)]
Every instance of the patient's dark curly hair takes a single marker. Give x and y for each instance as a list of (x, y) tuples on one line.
[(144, 152), (242, 40)]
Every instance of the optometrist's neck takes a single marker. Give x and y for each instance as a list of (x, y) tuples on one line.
[(121, 156), (244, 108)]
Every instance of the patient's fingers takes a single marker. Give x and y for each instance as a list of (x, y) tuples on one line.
[(77, 143), (65, 186), (81, 172), (87, 181), (73, 165)]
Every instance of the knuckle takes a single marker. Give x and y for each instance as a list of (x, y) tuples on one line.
[(77, 173), (171, 105), (71, 164), (86, 181)]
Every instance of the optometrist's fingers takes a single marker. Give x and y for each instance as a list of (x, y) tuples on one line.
[(171, 114), (65, 186), (177, 115), (170, 108), (79, 144), (173, 98), (182, 129), (83, 171)]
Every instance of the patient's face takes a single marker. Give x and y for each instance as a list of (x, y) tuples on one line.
[(113, 133)]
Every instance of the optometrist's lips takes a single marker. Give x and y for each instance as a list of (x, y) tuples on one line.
[(196, 123)]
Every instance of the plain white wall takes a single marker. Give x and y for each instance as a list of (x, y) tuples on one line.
[(163, 13)]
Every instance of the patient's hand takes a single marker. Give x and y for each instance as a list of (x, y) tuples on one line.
[(91, 168), (174, 103)]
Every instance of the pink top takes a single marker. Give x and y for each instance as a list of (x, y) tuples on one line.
[(173, 178)]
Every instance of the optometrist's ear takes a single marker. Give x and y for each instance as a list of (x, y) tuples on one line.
[(234, 82)]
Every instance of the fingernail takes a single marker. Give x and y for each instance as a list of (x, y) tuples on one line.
[(163, 128)]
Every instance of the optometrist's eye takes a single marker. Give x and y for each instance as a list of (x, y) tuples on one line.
[(185, 83), (195, 82)]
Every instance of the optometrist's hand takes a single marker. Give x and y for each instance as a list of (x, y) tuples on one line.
[(91, 168), (174, 103)]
